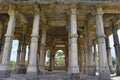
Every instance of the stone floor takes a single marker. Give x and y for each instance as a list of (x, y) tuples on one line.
[(56, 76)]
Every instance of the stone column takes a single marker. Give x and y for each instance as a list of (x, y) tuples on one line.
[(5, 64), (66, 57), (95, 56), (91, 67), (117, 48), (32, 66), (18, 58), (1, 39), (79, 54), (28, 54), (104, 73), (85, 54), (73, 54), (109, 58), (82, 60), (51, 59), (42, 51), (22, 65)]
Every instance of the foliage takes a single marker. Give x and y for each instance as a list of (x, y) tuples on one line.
[(114, 62), (59, 58), (59, 62), (12, 65)]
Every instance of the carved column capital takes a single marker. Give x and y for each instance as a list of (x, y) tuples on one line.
[(73, 11), (12, 9), (99, 10), (36, 9)]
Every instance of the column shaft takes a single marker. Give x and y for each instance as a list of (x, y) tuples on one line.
[(109, 58), (86, 54), (91, 68), (73, 55), (104, 73), (95, 56), (18, 58), (42, 51), (1, 39), (51, 59), (32, 66), (117, 48), (5, 64), (22, 68)]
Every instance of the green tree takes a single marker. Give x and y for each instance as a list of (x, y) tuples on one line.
[(12, 65), (59, 58)]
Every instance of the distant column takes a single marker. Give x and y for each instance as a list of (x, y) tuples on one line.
[(18, 58), (104, 73), (51, 59), (28, 54), (117, 48), (91, 67), (95, 55), (22, 65), (86, 54), (1, 40), (73, 55), (32, 66), (42, 51), (109, 58), (5, 64)]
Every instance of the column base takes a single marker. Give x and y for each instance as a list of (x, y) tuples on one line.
[(111, 69), (73, 69), (31, 72), (104, 73), (91, 70), (5, 73), (118, 70), (31, 76), (75, 76), (16, 69), (5, 70), (22, 69), (42, 69)]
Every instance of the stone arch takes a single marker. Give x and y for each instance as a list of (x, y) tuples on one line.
[(65, 59)]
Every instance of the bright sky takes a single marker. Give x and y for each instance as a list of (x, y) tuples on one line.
[(15, 46)]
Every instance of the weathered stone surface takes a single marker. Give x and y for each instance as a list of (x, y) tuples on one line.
[(5, 73)]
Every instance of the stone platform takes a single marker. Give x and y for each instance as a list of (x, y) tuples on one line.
[(56, 76)]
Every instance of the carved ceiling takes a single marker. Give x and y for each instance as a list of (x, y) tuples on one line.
[(56, 17)]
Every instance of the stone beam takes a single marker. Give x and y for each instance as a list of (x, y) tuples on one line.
[(114, 11), (21, 17)]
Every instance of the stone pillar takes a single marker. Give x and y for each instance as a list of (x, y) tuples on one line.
[(79, 54), (66, 57), (95, 56), (18, 58), (22, 68), (28, 54), (91, 67), (32, 66), (5, 64), (82, 60), (1, 39), (109, 58), (85, 54), (42, 51), (73, 53), (104, 73), (51, 59), (117, 48)]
